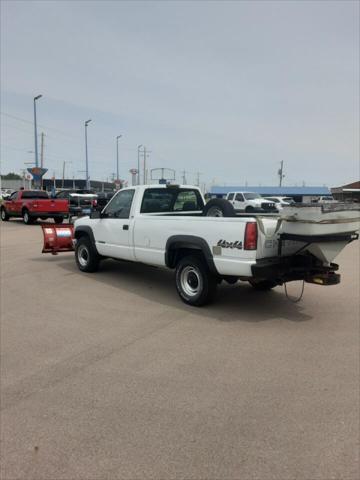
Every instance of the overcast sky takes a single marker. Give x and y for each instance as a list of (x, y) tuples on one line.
[(225, 88)]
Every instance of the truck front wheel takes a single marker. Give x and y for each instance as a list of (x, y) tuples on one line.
[(195, 284), (58, 220), (4, 215), (86, 256), (28, 220)]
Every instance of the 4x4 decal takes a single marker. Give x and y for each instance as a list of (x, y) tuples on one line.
[(225, 244)]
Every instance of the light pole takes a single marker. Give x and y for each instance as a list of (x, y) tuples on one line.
[(138, 175), (117, 157), (35, 131), (63, 172), (86, 156)]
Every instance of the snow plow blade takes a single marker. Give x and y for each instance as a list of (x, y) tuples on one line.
[(58, 238)]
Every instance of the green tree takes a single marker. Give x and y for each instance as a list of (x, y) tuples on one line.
[(11, 176)]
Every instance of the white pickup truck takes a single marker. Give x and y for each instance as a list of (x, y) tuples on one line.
[(168, 226), (250, 202)]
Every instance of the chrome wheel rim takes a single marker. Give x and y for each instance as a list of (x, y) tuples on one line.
[(190, 281), (215, 212), (26, 217), (83, 255), (3, 214)]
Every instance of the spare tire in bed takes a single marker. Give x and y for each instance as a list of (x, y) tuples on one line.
[(219, 207)]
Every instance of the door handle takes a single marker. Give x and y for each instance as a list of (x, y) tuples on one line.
[(125, 227)]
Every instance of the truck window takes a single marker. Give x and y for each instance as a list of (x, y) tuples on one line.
[(239, 197), (231, 196), (161, 200), (14, 196), (120, 205), (186, 201), (63, 194), (28, 194)]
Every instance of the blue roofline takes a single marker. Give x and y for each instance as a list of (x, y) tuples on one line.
[(281, 191)]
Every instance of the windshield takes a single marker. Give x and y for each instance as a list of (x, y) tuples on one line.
[(251, 196)]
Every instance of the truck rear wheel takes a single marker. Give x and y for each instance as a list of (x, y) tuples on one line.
[(86, 256), (195, 284), (263, 285), (4, 215)]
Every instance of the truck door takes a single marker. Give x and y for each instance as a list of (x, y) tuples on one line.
[(113, 233), (10, 203), (239, 201)]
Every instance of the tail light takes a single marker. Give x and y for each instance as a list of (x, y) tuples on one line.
[(251, 234), (94, 203)]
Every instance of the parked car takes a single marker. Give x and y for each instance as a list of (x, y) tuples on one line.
[(281, 202), (5, 193), (103, 199), (250, 202), (33, 204), (326, 199), (81, 201)]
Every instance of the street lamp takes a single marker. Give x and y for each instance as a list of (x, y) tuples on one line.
[(138, 175), (117, 157), (86, 157), (35, 131)]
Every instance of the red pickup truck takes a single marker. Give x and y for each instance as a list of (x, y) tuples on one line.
[(34, 204)]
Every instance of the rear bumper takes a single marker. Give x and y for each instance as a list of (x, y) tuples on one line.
[(48, 214), (78, 211), (296, 267)]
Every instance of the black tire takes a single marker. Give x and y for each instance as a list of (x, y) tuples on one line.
[(28, 220), (263, 285), (86, 256), (219, 207), (43, 218), (4, 216), (249, 209), (58, 220), (195, 284)]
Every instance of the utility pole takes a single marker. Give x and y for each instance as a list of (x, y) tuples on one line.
[(138, 164), (198, 178), (86, 157), (184, 177), (144, 182), (280, 173), (35, 131), (117, 157), (63, 175), (42, 150), (146, 154)]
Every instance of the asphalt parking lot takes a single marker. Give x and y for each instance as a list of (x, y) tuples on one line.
[(110, 376)]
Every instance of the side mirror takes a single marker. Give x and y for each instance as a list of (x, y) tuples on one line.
[(95, 214)]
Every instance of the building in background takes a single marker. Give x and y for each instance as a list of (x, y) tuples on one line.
[(299, 194), (77, 183), (347, 193)]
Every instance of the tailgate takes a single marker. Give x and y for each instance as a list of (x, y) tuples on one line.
[(49, 206)]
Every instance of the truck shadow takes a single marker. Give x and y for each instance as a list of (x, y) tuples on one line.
[(238, 302)]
